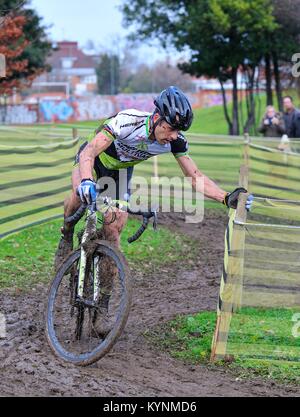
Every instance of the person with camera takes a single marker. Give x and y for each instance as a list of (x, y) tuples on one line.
[(272, 124)]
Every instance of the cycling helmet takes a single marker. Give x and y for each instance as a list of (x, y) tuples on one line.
[(174, 107)]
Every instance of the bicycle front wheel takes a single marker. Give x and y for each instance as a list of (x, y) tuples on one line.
[(71, 320)]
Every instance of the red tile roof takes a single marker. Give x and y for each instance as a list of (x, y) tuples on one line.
[(70, 49)]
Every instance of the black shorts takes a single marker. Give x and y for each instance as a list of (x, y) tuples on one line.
[(113, 183)]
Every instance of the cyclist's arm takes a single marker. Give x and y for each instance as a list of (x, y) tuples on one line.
[(90, 152), (205, 186)]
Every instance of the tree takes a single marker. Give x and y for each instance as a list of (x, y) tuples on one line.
[(12, 45), (284, 41), (33, 38), (222, 35), (153, 79), (108, 74)]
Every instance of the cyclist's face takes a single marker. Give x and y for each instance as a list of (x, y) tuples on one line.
[(164, 133)]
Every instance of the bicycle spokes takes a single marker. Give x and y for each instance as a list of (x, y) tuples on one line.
[(79, 324)]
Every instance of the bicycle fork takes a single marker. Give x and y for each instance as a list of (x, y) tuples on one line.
[(90, 229)]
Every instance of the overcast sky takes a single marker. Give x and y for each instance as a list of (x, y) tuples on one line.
[(83, 20)]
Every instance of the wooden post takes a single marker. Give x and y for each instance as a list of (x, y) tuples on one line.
[(232, 278), (74, 132), (246, 149), (155, 168), (238, 247)]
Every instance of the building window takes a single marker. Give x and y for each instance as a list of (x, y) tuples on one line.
[(89, 79), (67, 62)]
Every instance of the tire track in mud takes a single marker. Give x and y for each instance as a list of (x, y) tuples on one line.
[(133, 367)]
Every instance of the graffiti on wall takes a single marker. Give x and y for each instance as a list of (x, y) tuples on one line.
[(56, 111), (71, 110), (143, 102), (96, 108), (93, 108), (18, 114)]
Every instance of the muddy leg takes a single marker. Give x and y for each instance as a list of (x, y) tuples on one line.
[(108, 271), (71, 204), (111, 233)]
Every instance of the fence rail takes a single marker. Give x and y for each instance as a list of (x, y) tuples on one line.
[(36, 164)]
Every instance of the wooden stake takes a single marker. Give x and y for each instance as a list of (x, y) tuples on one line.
[(155, 168), (230, 298)]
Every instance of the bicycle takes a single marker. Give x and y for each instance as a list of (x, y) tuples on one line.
[(76, 295)]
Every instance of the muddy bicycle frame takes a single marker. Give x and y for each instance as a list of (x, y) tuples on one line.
[(90, 230)]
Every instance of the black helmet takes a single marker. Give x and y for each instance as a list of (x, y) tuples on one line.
[(175, 108)]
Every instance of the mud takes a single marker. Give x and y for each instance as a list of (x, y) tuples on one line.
[(134, 367)]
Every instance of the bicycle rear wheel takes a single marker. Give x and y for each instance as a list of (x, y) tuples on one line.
[(70, 320)]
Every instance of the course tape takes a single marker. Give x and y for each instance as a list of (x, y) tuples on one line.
[(34, 181), (45, 180), (23, 167), (26, 226), (227, 253), (266, 149), (8, 150)]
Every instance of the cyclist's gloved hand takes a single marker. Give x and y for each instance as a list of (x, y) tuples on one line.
[(87, 191), (249, 202), (231, 199)]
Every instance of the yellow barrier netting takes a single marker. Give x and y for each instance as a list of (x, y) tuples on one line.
[(34, 179), (259, 301)]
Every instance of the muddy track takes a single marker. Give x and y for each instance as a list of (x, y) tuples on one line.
[(133, 367)]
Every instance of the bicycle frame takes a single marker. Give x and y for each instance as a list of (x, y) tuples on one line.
[(90, 228)]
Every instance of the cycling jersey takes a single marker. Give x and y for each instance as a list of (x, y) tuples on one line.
[(129, 132)]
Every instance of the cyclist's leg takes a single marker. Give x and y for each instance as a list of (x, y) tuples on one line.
[(112, 231), (114, 222), (71, 204), (108, 272)]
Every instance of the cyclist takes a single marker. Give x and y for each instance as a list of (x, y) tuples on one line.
[(126, 139)]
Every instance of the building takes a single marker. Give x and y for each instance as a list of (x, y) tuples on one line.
[(71, 69)]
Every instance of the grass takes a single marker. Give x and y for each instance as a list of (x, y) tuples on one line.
[(209, 120), (261, 342), (26, 258)]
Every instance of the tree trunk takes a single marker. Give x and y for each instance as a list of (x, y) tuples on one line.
[(257, 102), (250, 71), (235, 104), (268, 80), (225, 108), (277, 81)]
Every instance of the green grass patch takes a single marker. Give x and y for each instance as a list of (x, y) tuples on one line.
[(27, 258), (209, 120), (261, 342)]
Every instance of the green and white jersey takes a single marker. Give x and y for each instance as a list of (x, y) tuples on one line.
[(129, 132)]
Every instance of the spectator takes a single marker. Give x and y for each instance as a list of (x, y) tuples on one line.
[(272, 124), (291, 118)]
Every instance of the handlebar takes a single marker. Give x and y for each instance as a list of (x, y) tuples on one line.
[(72, 220), (146, 217)]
